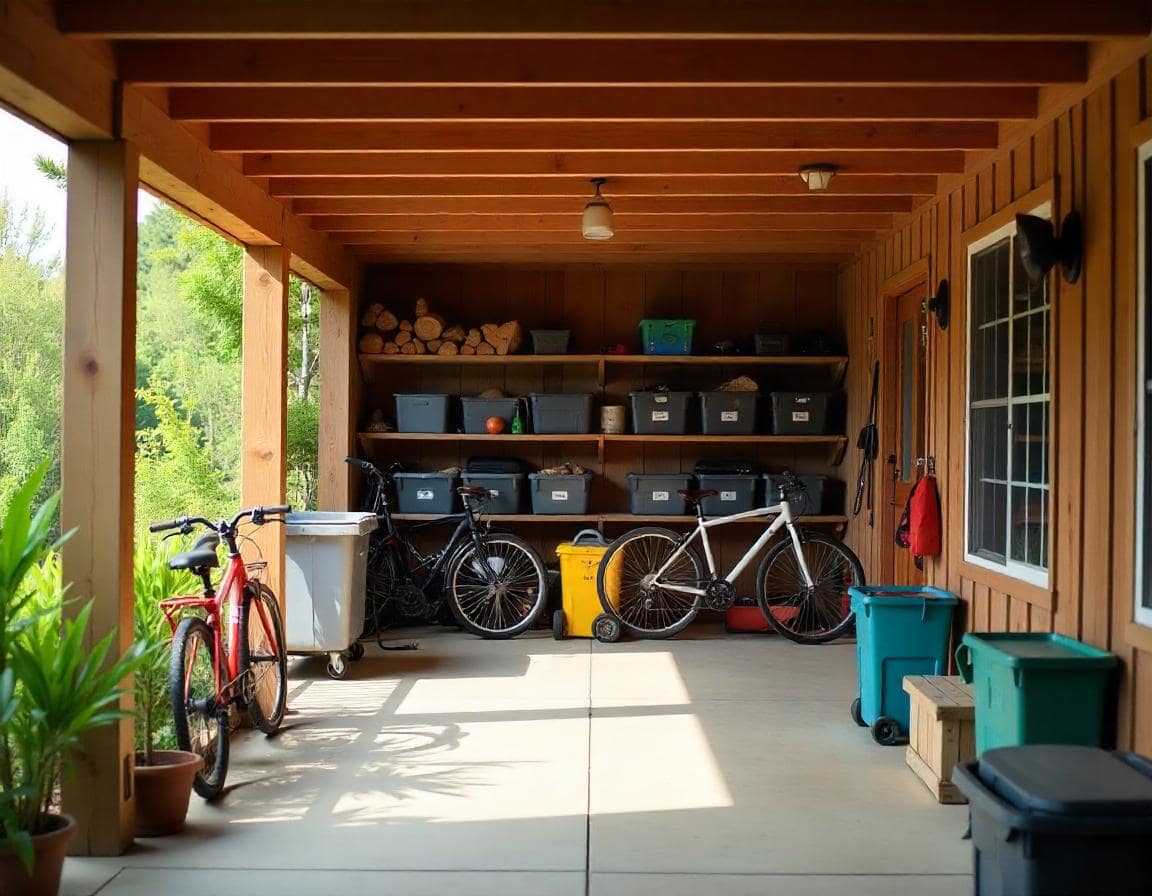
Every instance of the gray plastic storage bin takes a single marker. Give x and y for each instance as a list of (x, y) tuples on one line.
[(561, 413), (729, 413), (326, 557), (799, 413), (655, 493), (421, 413), (478, 410), (552, 493), (550, 342), (504, 490), (660, 413), (426, 493), (737, 493), (809, 500)]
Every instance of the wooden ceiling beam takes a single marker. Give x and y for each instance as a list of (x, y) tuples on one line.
[(817, 19), (583, 165), (572, 236), (552, 257), (576, 62), (559, 136), (567, 222), (814, 203), (752, 186), (340, 104)]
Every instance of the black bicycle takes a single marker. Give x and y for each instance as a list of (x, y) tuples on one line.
[(494, 582)]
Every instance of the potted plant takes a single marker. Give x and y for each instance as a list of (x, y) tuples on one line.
[(163, 774), (54, 687)]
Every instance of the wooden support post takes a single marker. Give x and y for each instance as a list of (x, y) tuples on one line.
[(264, 403), (337, 417), (97, 458)]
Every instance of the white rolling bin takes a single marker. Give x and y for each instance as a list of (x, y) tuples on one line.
[(325, 565)]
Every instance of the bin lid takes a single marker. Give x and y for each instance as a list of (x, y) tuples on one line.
[(329, 523), (1062, 779), (895, 596), (1038, 650)]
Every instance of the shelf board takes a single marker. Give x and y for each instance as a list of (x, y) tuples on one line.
[(742, 440), (657, 518), (480, 359), (477, 437), (511, 517), (825, 519)]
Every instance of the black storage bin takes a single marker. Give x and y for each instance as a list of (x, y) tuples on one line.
[(728, 413), (426, 493), (421, 413), (728, 466), (561, 413), (505, 490), (737, 493), (1048, 819), (655, 493), (494, 465), (808, 500), (660, 413), (559, 493), (550, 342), (478, 410), (800, 413), (772, 343)]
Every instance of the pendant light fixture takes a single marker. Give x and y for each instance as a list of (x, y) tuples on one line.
[(597, 221)]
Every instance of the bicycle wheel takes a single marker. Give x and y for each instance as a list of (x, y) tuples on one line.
[(201, 725), (624, 583), (262, 658), (499, 591), (802, 614)]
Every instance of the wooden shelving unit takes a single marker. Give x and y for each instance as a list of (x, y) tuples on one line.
[(623, 519)]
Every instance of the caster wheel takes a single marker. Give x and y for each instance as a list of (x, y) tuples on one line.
[(887, 732), (854, 710), (337, 667), (559, 630), (606, 629), (355, 651)]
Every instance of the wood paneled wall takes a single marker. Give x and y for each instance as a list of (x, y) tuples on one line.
[(1093, 353)]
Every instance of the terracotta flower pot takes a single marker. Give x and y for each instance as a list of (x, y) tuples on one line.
[(50, 849), (162, 791)]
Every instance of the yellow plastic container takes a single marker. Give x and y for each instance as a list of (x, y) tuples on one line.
[(579, 564)]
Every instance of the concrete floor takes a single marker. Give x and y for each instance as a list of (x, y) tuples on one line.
[(707, 764)]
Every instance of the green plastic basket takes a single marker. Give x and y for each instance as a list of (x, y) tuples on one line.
[(667, 337)]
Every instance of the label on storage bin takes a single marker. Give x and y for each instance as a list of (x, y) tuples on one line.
[(727, 496), (659, 416), (800, 416), (660, 399), (559, 496), (425, 494), (729, 416), (661, 496), (494, 492)]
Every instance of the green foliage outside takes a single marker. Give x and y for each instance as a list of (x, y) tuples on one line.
[(189, 335)]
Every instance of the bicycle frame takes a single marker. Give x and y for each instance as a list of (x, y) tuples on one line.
[(783, 519)]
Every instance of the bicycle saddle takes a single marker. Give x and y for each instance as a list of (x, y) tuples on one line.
[(472, 491), (203, 554), (695, 496)]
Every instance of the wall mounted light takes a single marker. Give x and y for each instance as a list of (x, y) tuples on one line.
[(597, 221), (817, 177)]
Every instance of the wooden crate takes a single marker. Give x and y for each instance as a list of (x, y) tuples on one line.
[(941, 731)]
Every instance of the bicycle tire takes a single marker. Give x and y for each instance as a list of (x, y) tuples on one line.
[(503, 608), (264, 664), (803, 616), (191, 689), (648, 614)]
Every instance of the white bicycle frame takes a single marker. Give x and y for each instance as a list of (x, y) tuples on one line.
[(783, 519)]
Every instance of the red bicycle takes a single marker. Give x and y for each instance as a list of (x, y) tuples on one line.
[(209, 672)]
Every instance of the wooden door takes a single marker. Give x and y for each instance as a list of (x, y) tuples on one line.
[(902, 435)]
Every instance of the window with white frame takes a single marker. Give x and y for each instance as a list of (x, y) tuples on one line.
[(1143, 610), (1009, 411)]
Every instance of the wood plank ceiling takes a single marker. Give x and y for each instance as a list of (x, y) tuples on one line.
[(462, 130)]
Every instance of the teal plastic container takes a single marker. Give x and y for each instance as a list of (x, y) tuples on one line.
[(900, 631), (1035, 688)]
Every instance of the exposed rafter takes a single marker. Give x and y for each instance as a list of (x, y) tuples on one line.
[(833, 206)]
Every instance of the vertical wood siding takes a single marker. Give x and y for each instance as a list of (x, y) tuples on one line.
[(1093, 390)]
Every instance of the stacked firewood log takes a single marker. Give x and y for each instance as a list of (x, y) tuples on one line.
[(426, 333)]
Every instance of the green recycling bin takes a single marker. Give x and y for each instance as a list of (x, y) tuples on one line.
[(1035, 688)]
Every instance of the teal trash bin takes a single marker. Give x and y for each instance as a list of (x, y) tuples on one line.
[(1035, 688), (899, 631)]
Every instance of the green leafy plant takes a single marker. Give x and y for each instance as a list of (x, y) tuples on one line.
[(53, 686), (154, 582)]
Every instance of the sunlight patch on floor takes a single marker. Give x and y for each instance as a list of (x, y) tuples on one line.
[(555, 681), (327, 698), (638, 679)]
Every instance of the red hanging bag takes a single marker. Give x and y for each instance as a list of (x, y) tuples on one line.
[(920, 524)]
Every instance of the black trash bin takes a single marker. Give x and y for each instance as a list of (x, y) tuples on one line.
[(1048, 819)]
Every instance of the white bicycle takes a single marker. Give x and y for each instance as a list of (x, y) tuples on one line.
[(653, 584)]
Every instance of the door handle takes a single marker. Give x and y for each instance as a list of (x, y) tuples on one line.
[(895, 478)]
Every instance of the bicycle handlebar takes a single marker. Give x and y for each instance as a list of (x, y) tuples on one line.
[(372, 469), (258, 515)]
